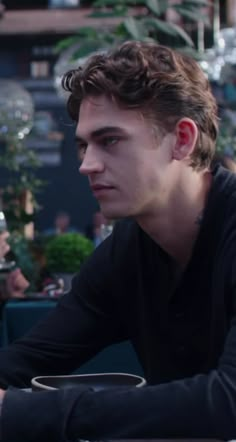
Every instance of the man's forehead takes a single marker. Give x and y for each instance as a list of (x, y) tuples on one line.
[(99, 108), (94, 101), (98, 112)]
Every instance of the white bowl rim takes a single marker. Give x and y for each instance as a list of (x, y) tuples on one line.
[(36, 380)]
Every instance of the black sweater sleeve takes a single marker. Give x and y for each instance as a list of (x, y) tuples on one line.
[(203, 406), (74, 332)]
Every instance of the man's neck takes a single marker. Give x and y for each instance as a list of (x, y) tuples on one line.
[(176, 227)]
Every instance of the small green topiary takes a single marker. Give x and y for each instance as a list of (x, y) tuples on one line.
[(65, 253)]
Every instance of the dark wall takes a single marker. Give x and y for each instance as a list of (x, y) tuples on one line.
[(66, 189), (25, 4)]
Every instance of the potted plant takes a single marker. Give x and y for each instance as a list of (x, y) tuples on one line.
[(65, 254)]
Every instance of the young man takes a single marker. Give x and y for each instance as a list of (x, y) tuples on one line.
[(165, 278)]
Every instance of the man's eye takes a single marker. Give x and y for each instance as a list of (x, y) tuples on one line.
[(110, 141), (81, 151)]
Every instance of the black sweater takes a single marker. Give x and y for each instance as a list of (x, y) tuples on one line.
[(183, 331)]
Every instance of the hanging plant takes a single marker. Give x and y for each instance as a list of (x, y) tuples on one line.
[(139, 20)]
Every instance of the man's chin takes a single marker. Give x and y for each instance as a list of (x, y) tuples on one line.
[(112, 213)]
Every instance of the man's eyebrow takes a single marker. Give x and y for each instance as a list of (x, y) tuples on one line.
[(79, 139), (99, 132)]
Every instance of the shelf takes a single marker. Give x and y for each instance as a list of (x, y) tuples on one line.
[(43, 92), (50, 21), (37, 83)]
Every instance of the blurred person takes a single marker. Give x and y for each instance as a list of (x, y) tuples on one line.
[(146, 128), (99, 229), (101, 225), (16, 284), (62, 224)]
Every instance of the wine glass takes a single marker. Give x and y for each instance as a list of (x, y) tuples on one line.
[(3, 228), (4, 265), (3, 222)]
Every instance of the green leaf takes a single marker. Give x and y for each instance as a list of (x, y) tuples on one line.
[(181, 33), (65, 43), (159, 25), (163, 6), (199, 3), (112, 8), (158, 7), (120, 10), (86, 49), (154, 6), (193, 14), (134, 28), (107, 14), (108, 39), (66, 253), (87, 32), (121, 31), (104, 3), (134, 2), (168, 28)]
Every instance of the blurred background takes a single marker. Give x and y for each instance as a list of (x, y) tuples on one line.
[(53, 219), (40, 39), (41, 191)]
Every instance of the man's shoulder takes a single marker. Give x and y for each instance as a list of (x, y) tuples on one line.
[(219, 221), (222, 197), (224, 181)]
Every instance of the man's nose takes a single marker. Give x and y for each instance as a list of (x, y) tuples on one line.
[(91, 163)]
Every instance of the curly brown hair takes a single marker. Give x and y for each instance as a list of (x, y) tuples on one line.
[(163, 84)]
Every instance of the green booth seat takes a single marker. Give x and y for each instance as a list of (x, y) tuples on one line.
[(19, 316)]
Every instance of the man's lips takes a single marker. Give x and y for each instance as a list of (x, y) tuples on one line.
[(101, 188)]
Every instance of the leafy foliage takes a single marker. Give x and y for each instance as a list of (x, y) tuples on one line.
[(22, 253), (140, 20), (21, 162), (226, 140), (65, 253)]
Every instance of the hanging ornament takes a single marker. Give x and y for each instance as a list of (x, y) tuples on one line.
[(16, 110)]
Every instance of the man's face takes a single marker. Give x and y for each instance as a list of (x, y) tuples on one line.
[(62, 222), (126, 166)]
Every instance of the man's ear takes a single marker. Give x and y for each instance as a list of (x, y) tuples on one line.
[(186, 132)]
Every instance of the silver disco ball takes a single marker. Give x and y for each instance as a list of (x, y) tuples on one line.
[(16, 110)]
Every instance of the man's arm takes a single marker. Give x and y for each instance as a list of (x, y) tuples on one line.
[(73, 332), (77, 329), (203, 406)]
